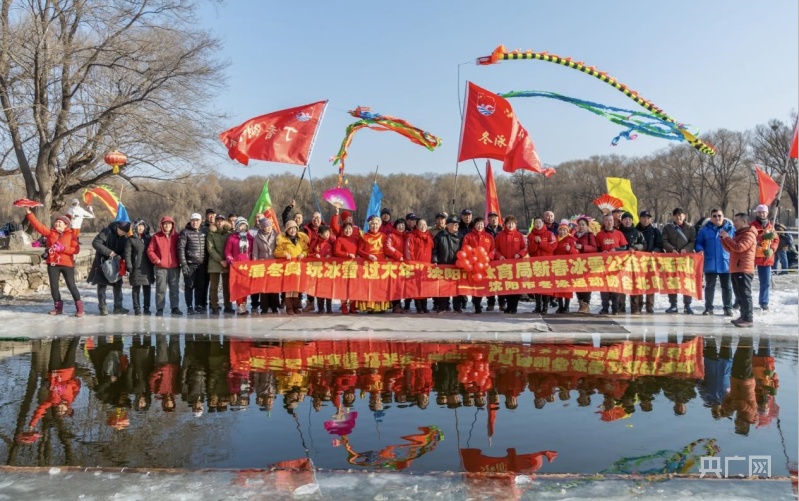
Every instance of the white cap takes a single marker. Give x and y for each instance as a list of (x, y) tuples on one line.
[(761, 208), (196, 215)]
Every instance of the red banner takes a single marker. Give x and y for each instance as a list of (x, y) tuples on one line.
[(623, 272), (622, 360), (282, 136)]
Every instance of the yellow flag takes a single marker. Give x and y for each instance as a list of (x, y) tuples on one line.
[(623, 190)]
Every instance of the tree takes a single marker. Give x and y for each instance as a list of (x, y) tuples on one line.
[(79, 78), (770, 145)]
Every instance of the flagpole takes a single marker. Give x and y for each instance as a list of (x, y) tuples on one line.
[(374, 180), (300, 183), (310, 153)]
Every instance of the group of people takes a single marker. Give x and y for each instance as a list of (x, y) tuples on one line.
[(203, 251), (738, 383)]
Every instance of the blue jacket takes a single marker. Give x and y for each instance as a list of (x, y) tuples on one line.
[(717, 259)]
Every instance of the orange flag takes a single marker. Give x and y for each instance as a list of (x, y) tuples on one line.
[(794, 147), (492, 201), (768, 188)]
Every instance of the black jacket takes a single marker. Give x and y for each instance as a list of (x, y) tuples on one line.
[(494, 231), (635, 240), (140, 268), (653, 238), (104, 243), (191, 247), (446, 246)]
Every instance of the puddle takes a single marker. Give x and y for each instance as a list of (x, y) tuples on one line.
[(207, 401)]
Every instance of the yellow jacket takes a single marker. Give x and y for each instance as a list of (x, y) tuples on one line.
[(284, 247)]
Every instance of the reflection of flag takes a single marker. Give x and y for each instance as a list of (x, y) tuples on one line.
[(768, 187), (623, 190), (474, 461), (282, 136), (105, 195), (122, 214), (375, 203), (263, 206), (488, 125), (794, 153), (492, 201)]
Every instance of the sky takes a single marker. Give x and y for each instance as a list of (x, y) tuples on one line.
[(712, 64)]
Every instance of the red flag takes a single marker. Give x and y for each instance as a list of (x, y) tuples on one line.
[(794, 147), (282, 136), (488, 125), (492, 201), (522, 155), (768, 188)]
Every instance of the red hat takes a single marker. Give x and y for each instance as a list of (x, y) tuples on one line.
[(346, 215), (63, 219)]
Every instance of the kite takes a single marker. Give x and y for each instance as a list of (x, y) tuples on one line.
[(501, 54), (106, 196), (635, 121), (24, 202), (380, 123)]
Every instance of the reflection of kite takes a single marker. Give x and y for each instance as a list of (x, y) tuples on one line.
[(474, 461), (381, 123), (500, 54), (341, 424), (608, 203), (635, 121), (105, 195), (665, 461), (396, 457)]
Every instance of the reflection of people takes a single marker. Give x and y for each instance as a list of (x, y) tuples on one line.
[(766, 383), (679, 391), (63, 385), (164, 379), (716, 383), (741, 398), (142, 363)]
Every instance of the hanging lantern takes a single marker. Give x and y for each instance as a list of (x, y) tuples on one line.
[(116, 159)]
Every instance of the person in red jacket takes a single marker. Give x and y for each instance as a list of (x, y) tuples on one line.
[(322, 248), (163, 253), (346, 247), (478, 237), (609, 239), (541, 242), (510, 244), (767, 243), (62, 245), (567, 245), (395, 250), (419, 247), (586, 244), (743, 251), (373, 249), (337, 223), (63, 386)]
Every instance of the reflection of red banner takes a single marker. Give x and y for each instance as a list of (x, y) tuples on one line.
[(474, 461), (625, 272), (622, 360)]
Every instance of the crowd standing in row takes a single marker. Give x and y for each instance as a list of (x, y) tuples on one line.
[(203, 251)]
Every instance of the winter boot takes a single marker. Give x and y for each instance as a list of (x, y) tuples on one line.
[(320, 305), (147, 311), (397, 308), (119, 310), (79, 308), (298, 306), (103, 311), (136, 311), (545, 305), (309, 307), (566, 304), (344, 308), (424, 306), (228, 310), (328, 306), (418, 305), (242, 309), (58, 309), (289, 304), (584, 307)]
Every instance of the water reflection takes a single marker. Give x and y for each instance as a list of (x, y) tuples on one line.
[(182, 401)]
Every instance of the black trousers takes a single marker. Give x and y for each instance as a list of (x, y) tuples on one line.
[(117, 288), (710, 289), (54, 273), (147, 293), (56, 362), (194, 287), (742, 284)]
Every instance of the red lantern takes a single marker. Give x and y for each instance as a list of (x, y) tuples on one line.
[(116, 159)]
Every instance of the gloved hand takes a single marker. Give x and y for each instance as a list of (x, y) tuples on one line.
[(185, 270), (767, 253), (58, 247)]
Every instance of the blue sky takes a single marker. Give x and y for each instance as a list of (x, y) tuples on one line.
[(709, 63)]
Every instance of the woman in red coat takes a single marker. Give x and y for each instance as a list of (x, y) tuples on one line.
[(566, 245), (541, 242), (373, 249), (586, 244), (62, 245), (346, 247), (419, 247), (395, 250), (63, 385), (510, 244), (478, 237)]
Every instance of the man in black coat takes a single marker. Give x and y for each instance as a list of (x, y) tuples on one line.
[(446, 245), (191, 255), (653, 242), (635, 241), (109, 244)]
